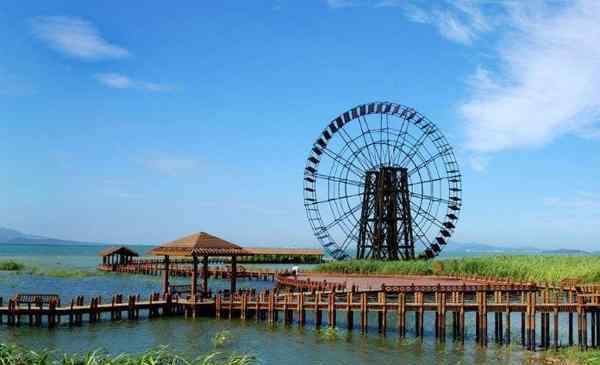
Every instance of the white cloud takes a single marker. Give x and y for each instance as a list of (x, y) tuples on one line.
[(119, 81), (548, 84), (170, 165), (114, 80), (460, 21), (580, 201), (478, 162), (339, 3), (389, 3), (75, 37)]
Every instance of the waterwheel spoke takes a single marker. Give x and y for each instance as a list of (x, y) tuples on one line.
[(339, 180)]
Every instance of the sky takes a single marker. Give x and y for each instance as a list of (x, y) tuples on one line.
[(129, 123)]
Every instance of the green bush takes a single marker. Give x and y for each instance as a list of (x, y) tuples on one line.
[(11, 265)]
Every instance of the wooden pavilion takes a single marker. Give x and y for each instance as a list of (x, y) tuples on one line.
[(117, 255), (200, 245)]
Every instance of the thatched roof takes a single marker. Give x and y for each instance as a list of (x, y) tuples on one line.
[(118, 251), (285, 251), (199, 244)]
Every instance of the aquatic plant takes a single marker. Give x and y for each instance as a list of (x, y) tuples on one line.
[(10, 265), (222, 339), (16, 355), (567, 356), (329, 334), (66, 273), (539, 268)]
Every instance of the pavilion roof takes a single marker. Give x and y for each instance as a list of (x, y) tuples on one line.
[(122, 250), (199, 244)]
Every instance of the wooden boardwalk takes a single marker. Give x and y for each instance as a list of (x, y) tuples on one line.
[(482, 309), (501, 313), (183, 268), (120, 307), (537, 312)]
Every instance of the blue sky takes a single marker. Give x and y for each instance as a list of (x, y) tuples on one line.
[(139, 124)]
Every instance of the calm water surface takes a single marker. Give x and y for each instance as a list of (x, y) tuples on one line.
[(277, 344)]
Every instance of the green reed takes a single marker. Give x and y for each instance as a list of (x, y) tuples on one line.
[(57, 272), (540, 268), (567, 356), (15, 355)]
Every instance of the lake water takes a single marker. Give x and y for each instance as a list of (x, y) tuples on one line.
[(278, 344)]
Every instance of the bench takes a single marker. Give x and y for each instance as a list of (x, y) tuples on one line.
[(36, 299)]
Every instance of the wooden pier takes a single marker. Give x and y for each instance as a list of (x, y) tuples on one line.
[(184, 268), (500, 313), (51, 314), (485, 313)]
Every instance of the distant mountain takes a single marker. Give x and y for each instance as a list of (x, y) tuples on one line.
[(12, 236), (475, 249)]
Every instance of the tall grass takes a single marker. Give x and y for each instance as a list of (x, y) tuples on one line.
[(550, 269), (10, 265), (57, 272), (15, 355), (567, 356)]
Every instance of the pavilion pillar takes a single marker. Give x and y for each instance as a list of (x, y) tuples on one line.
[(166, 275), (205, 276), (233, 274), (194, 276)]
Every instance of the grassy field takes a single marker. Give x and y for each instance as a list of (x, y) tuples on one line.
[(539, 268)]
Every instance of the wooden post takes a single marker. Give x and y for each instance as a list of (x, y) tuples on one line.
[(484, 318), (364, 312), (301, 310), (508, 318), (257, 299), (194, 277), (285, 308), (523, 320), (318, 313), (71, 312), (233, 273), (443, 316), (437, 314), (52, 313), (349, 311), (205, 276), (570, 300), (556, 321), (382, 315), (331, 309), (401, 314), (532, 312), (166, 275), (461, 317), (243, 307), (417, 310)]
